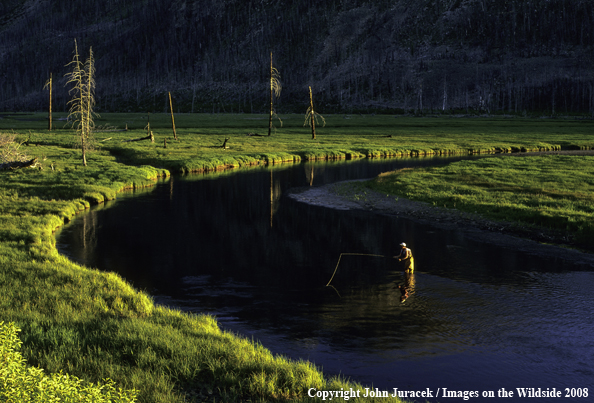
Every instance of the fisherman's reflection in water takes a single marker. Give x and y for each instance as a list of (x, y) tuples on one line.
[(408, 287)]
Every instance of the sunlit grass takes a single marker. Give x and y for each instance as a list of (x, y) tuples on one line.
[(25, 384), (344, 137), (550, 191), (94, 325)]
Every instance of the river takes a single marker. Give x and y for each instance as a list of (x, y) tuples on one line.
[(478, 318)]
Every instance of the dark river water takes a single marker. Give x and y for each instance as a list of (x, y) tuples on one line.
[(479, 317)]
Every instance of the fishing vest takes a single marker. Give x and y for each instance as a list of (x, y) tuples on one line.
[(407, 254)]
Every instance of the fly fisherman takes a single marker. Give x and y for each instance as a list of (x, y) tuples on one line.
[(409, 267), (406, 257)]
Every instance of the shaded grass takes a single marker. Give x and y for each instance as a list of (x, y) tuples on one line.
[(550, 191)]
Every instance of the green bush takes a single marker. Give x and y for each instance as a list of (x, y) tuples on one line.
[(21, 383)]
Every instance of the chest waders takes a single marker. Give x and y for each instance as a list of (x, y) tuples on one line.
[(409, 261)]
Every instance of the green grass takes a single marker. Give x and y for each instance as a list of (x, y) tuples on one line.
[(25, 384), (94, 325), (344, 137), (549, 191)]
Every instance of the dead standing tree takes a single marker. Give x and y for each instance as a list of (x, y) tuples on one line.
[(275, 90), (172, 120), (311, 116), (83, 99), (48, 85)]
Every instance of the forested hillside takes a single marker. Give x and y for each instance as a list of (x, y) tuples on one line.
[(488, 56)]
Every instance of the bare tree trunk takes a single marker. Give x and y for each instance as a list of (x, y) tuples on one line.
[(271, 94), (84, 150), (49, 127), (313, 116), (82, 76), (193, 92), (591, 100), (553, 100), (445, 95), (89, 101), (172, 120)]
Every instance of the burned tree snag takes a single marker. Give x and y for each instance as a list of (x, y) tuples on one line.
[(313, 120), (172, 119)]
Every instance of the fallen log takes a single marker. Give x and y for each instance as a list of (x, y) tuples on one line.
[(150, 137), (19, 164)]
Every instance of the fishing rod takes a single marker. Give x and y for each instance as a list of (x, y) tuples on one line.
[(351, 254)]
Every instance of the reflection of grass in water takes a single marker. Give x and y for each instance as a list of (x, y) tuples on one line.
[(549, 191)]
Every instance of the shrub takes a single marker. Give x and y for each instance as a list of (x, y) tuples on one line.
[(9, 150), (21, 383)]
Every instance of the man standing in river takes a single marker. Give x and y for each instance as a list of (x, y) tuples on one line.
[(406, 257), (409, 267)]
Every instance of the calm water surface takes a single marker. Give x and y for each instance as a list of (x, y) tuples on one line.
[(479, 317)]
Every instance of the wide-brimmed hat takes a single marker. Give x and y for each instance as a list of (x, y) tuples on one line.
[(403, 244)]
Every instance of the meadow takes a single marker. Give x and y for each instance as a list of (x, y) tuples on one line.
[(94, 325), (546, 191), (201, 136)]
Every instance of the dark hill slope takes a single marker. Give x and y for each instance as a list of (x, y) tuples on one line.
[(510, 56)]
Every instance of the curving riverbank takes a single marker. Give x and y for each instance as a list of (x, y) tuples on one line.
[(535, 240), (94, 324)]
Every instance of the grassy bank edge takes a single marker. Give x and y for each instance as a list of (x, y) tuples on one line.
[(64, 309), (123, 309), (545, 195), (204, 164)]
